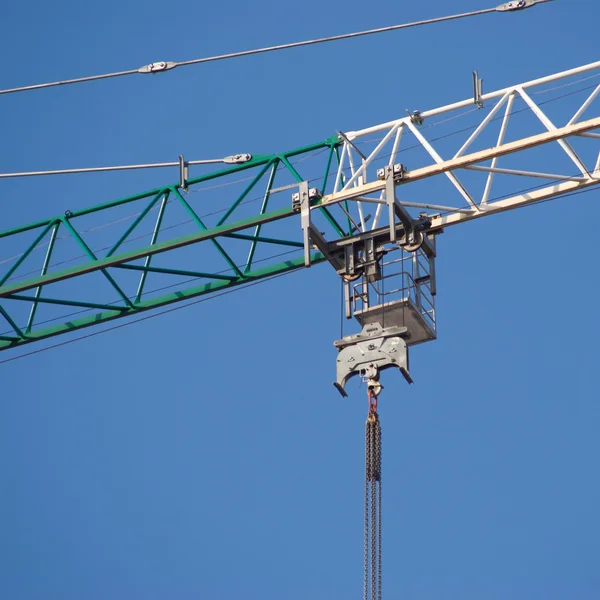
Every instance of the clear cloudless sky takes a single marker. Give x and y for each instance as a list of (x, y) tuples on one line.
[(205, 454)]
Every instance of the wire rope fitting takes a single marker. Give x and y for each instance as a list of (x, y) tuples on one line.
[(236, 159), (518, 5), (157, 67)]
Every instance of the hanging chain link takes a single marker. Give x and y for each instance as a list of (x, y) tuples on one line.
[(367, 489), (372, 549), (378, 445), (373, 540)]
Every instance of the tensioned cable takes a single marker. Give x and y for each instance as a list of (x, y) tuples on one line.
[(375, 140), (226, 159), (159, 67)]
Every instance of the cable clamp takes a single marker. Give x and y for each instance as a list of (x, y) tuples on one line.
[(236, 159), (517, 5), (157, 67)]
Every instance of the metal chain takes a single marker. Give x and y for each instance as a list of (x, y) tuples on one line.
[(372, 539), (379, 461), (367, 479)]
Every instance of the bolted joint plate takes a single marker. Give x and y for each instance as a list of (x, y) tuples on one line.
[(374, 346)]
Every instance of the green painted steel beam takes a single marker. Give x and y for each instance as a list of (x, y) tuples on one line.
[(183, 273), (201, 290), (264, 240), (218, 261), (113, 261), (64, 302)]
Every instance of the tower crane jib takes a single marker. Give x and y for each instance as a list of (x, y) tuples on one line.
[(350, 200)]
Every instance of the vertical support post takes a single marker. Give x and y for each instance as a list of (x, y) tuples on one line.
[(477, 89), (416, 275), (305, 219), (183, 173), (395, 208), (347, 299), (431, 256), (365, 293), (390, 197)]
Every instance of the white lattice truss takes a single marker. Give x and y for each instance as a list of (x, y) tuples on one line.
[(356, 177)]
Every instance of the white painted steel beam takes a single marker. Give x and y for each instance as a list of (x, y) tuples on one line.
[(547, 193), (468, 159)]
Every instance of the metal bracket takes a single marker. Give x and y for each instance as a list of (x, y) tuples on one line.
[(415, 117), (372, 350), (395, 208), (304, 201), (371, 266), (477, 89), (183, 173), (413, 228), (301, 203), (399, 171)]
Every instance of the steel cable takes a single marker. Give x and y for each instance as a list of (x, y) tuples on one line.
[(159, 67)]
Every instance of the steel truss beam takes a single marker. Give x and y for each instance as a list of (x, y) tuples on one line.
[(241, 250), (587, 178), (120, 278), (475, 199)]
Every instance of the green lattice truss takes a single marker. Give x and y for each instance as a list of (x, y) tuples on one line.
[(177, 244)]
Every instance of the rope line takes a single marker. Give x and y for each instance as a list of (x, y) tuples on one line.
[(159, 67)]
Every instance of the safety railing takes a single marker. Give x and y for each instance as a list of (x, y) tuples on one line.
[(408, 277)]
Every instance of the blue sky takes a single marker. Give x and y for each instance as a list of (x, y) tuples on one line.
[(205, 453)]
